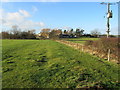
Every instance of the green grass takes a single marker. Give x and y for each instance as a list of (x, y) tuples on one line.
[(48, 64), (81, 40)]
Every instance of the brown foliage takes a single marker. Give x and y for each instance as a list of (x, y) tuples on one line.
[(89, 42), (104, 44), (45, 30)]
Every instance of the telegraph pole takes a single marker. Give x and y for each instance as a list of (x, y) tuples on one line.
[(109, 15), (108, 21)]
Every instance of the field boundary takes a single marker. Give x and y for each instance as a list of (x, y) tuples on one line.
[(87, 49)]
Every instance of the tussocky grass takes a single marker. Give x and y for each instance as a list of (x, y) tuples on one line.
[(49, 64)]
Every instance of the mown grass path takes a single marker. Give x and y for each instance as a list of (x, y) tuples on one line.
[(81, 40), (49, 64)]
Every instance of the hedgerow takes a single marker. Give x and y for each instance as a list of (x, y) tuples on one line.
[(104, 44)]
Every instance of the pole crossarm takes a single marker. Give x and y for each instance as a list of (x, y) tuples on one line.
[(109, 15)]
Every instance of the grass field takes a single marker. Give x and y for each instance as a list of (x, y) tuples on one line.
[(81, 40), (48, 64)]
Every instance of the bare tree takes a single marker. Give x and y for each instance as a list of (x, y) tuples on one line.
[(45, 30), (4, 35), (54, 34), (95, 33), (79, 32), (65, 31), (71, 31), (31, 31)]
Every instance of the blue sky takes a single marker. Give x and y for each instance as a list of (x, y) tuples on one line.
[(64, 15)]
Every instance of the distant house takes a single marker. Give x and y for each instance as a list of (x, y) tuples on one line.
[(58, 32), (64, 36), (67, 36), (87, 35), (43, 35)]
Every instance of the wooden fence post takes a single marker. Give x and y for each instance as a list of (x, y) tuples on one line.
[(78, 46), (92, 50), (82, 48), (108, 54)]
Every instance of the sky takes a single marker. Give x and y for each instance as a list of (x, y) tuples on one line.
[(59, 0), (60, 15)]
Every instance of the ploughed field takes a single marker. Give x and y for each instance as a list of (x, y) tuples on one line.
[(49, 64)]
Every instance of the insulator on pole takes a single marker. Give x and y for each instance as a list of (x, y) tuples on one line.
[(109, 15)]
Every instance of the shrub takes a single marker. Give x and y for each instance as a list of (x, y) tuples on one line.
[(102, 45), (89, 42), (107, 43)]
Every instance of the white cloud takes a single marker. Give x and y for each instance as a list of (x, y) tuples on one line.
[(28, 24), (1, 12), (4, 0), (25, 13), (34, 9), (19, 18), (14, 16), (1, 15), (66, 28)]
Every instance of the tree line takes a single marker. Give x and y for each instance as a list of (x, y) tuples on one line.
[(59, 33), (16, 33), (71, 33)]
